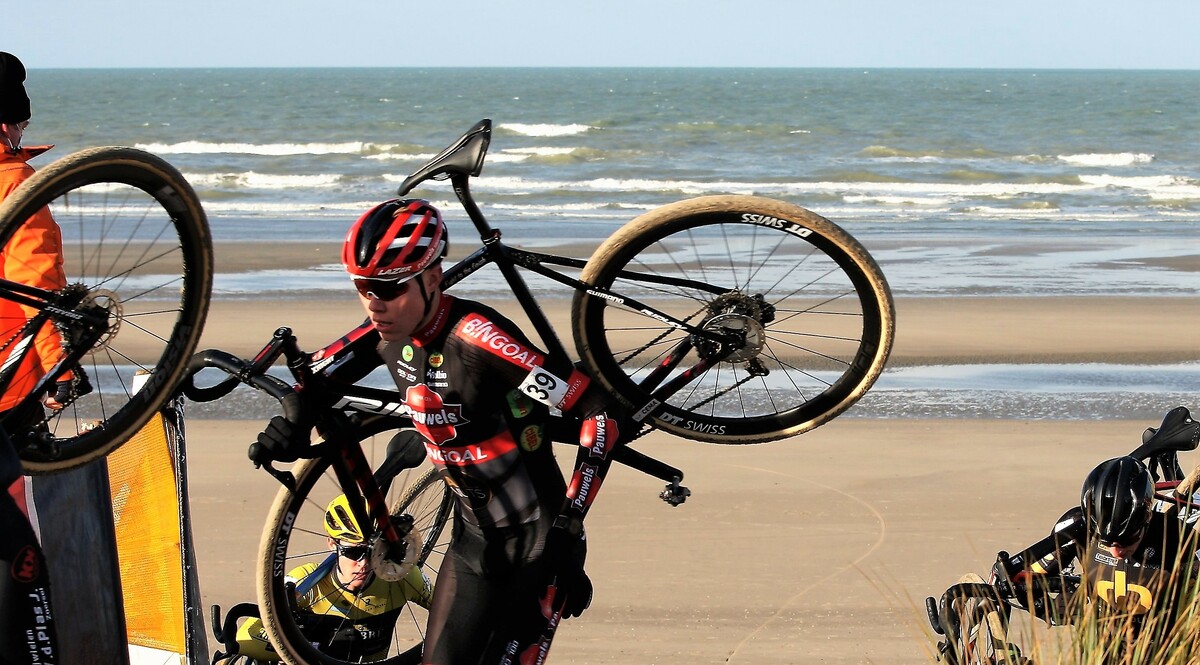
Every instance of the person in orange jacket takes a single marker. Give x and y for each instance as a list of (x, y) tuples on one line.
[(33, 256)]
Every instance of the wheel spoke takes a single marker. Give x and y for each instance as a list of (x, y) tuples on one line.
[(806, 301)]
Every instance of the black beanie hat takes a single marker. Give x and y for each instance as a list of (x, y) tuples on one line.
[(14, 103)]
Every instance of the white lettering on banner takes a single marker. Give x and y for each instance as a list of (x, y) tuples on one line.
[(544, 387), (484, 331)]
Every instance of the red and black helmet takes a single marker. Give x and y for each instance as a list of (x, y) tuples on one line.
[(395, 241)]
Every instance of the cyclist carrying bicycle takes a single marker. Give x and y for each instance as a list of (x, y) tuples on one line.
[(1137, 558), (478, 392), (341, 605)]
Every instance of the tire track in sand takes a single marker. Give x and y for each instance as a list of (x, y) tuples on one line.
[(816, 583)]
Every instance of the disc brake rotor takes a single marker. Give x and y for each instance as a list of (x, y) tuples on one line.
[(741, 316), (107, 304)]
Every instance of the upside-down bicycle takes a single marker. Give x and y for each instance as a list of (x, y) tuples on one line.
[(138, 261), (727, 319)]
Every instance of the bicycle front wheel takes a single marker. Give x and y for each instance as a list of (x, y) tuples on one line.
[(137, 254), (810, 307), (295, 539)]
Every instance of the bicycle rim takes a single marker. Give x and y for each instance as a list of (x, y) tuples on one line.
[(136, 248), (814, 309), (295, 536)]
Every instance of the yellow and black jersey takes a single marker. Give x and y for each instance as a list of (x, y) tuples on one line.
[(348, 625), (1147, 580), (1151, 577)]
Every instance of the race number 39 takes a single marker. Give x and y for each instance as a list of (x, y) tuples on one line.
[(544, 387)]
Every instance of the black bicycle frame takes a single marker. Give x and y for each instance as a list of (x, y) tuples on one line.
[(507, 259), (390, 413), (85, 326), (382, 411)]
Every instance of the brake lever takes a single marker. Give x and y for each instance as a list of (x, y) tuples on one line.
[(285, 478)]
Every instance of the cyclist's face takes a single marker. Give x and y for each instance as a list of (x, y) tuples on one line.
[(13, 133), (398, 318), (353, 570), (1122, 550)]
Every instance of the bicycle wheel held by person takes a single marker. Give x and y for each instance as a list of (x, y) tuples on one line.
[(138, 262)]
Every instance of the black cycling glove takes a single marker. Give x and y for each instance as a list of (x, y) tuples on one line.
[(564, 556), (60, 394), (281, 441), (65, 391)]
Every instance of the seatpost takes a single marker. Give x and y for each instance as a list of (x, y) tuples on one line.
[(495, 251), (462, 189)]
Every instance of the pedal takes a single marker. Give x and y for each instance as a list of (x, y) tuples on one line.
[(675, 494)]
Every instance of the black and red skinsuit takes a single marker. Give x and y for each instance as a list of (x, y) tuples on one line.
[(479, 392)]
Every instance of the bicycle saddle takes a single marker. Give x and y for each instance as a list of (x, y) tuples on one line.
[(1178, 432), (464, 157)]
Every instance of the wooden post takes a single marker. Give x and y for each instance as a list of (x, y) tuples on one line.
[(74, 511)]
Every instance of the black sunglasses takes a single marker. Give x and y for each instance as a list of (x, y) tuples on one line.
[(385, 290), (1126, 542), (353, 552)]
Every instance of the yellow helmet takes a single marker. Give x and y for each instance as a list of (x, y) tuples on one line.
[(340, 523)]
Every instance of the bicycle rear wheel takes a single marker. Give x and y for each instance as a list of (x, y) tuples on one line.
[(136, 250), (295, 536), (813, 309)]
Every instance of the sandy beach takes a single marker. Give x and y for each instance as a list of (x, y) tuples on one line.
[(819, 549)]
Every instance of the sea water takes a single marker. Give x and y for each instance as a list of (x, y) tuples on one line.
[(959, 182)]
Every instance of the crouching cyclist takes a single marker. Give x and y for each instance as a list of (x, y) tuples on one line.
[(1121, 555), (342, 606)]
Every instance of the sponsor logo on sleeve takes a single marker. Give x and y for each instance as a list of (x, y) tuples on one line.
[(583, 487), (597, 436), (485, 335)]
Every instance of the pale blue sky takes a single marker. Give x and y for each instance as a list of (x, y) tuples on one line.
[(1121, 34)]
